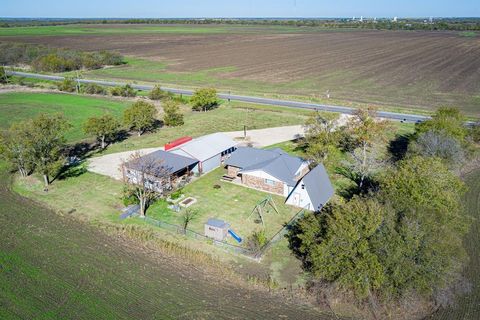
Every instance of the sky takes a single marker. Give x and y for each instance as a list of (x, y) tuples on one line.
[(237, 8)]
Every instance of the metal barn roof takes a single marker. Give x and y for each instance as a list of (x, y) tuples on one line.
[(206, 147)]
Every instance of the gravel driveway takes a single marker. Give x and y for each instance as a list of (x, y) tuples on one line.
[(109, 165)]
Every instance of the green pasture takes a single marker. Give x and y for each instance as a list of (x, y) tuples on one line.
[(18, 106)]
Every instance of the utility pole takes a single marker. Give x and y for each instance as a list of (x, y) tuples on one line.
[(78, 82), (5, 73)]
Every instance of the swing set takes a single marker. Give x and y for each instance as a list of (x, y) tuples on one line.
[(263, 207)]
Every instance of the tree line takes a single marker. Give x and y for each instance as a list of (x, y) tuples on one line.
[(47, 59), (397, 232), (453, 24)]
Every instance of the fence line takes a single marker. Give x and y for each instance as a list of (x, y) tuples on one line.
[(257, 255), (197, 236), (280, 234)]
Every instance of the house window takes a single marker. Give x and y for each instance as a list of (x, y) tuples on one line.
[(269, 182), (303, 186)]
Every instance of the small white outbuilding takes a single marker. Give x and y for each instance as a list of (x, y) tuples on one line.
[(216, 229)]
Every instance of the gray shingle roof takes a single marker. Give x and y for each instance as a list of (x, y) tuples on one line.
[(166, 160), (217, 223), (275, 162), (245, 157), (318, 186)]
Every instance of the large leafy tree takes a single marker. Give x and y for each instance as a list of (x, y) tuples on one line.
[(140, 116), (422, 243), (448, 121), (173, 117), (47, 133), (125, 91), (105, 128), (204, 99), (322, 137), (16, 147), (344, 254), (157, 93), (406, 238), (440, 145), (67, 85)]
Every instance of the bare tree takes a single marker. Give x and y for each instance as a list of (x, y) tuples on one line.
[(436, 144), (366, 129), (146, 178), (188, 216), (363, 163)]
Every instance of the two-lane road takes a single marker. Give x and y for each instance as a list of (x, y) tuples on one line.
[(226, 96)]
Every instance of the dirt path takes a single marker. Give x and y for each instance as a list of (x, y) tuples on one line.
[(109, 164)]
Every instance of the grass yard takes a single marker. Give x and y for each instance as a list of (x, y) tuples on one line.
[(231, 203), (18, 106), (228, 117), (85, 195)]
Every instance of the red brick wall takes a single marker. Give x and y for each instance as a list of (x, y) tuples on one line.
[(259, 183), (232, 171)]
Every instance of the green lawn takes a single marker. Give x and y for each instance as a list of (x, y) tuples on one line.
[(228, 117), (79, 29), (19, 106), (231, 203)]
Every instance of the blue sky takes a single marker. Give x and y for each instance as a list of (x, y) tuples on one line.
[(238, 8)]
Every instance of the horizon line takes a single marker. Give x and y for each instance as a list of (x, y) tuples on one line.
[(259, 17)]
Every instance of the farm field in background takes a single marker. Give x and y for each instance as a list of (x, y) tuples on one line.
[(404, 69)]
